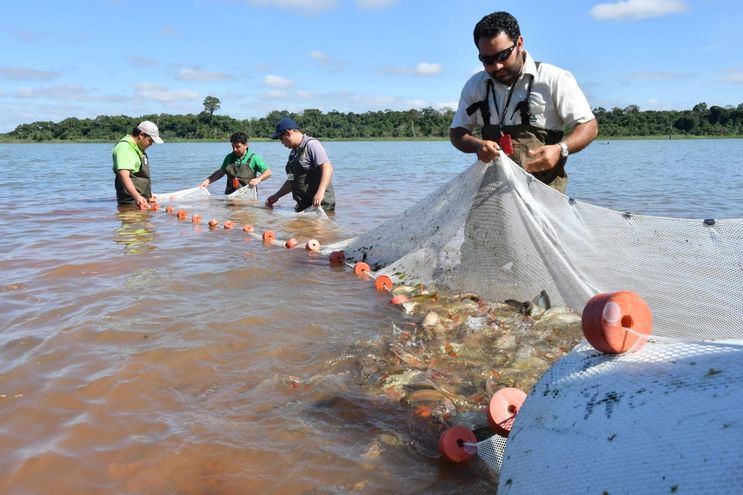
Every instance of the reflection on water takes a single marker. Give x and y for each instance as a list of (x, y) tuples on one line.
[(136, 232)]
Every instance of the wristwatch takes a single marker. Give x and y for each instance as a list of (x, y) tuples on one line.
[(564, 152)]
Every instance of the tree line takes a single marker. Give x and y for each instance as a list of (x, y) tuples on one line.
[(410, 124)]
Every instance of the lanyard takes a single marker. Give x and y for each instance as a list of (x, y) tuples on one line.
[(500, 114)]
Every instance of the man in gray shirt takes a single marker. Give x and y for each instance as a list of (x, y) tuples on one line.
[(308, 169)]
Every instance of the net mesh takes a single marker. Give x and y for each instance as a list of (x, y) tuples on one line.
[(192, 194), (247, 194), (665, 419), (498, 232)]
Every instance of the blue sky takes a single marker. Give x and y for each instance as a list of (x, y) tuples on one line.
[(77, 58)]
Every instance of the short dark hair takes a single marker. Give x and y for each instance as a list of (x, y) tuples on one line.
[(493, 24), (137, 131), (239, 137)]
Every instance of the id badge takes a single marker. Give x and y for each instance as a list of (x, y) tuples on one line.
[(290, 177), (235, 183), (505, 143)]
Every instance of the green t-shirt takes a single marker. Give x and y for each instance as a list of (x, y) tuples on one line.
[(127, 155), (255, 162)]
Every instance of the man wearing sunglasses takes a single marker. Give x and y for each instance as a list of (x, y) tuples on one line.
[(131, 166), (521, 106)]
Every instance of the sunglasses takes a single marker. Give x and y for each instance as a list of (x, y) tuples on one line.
[(498, 57)]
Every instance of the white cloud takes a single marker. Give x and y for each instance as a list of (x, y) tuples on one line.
[(69, 92), (159, 93), (277, 82), (326, 61), (276, 94), (421, 69), (736, 78), (26, 74), (446, 105), (187, 74), (319, 56), (142, 62), (375, 4), (296, 5), (636, 9), (342, 101), (427, 69), (659, 75)]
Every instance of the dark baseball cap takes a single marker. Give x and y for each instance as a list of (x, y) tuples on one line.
[(284, 125)]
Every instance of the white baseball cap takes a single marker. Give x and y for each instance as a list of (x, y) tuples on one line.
[(151, 130)]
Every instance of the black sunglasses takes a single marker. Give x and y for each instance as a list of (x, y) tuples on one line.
[(498, 57)]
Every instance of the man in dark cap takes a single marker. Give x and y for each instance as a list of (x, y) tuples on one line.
[(308, 169)]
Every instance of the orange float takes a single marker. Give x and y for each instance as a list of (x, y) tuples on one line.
[(312, 245), (457, 444), (503, 408), (182, 215), (154, 206), (248, 228), (290, 243), (229, 224), (361, 269), (269, 236), (337, 258), (213, 222), (196, 218), (399, 299), (169, 209), (383, 282), (607, 317)]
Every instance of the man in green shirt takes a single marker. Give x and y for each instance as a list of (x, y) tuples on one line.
[(131, 166), (242, 166)]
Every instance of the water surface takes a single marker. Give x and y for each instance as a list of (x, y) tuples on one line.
[(139, 354)]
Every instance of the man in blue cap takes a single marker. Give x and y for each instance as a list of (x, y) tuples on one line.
[(308, 169)]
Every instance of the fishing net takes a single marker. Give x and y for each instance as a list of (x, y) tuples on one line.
[(496, 231), (244, 194), (192, 194), (665, 419)]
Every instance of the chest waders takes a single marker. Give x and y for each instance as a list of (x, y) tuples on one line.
[(240, 171), (141, 181), (305, 183), (524, 136)]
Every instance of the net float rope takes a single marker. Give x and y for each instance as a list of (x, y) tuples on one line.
[(382, 283)]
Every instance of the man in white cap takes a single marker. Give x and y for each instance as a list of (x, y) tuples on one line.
[(132, 167)]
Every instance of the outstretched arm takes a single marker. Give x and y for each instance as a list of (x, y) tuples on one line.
[(218, 174), (285, 189)]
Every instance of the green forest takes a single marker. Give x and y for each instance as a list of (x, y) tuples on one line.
[(700, 121)]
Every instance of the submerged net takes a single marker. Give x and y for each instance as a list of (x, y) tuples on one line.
[(498, 232), (246, 194), (192, 194)]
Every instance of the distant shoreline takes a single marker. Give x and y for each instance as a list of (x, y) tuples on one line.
[(5, 140)]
